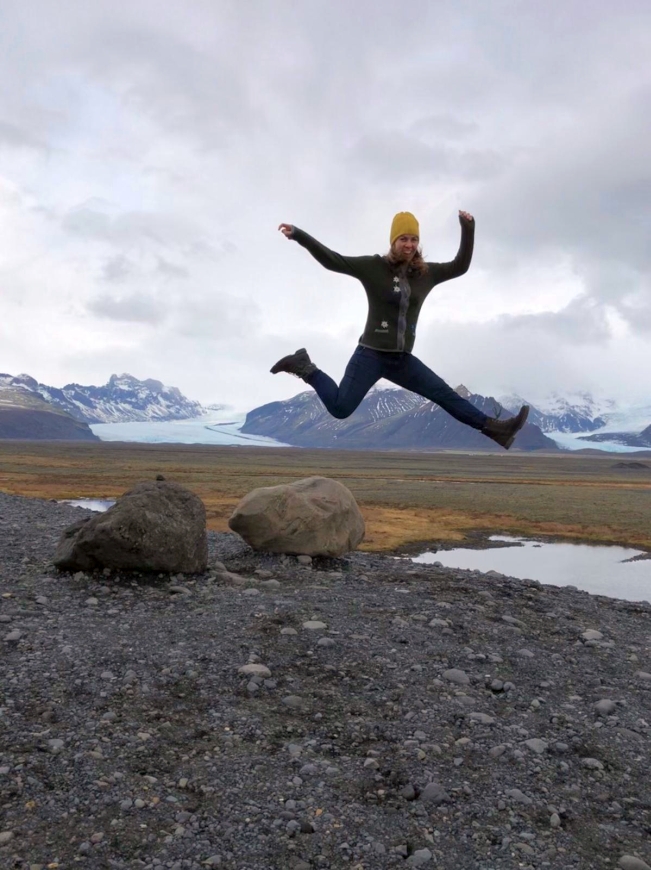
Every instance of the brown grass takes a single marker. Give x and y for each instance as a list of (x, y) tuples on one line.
[(405, 497)]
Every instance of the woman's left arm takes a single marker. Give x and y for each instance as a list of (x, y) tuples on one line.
[(461, 263)]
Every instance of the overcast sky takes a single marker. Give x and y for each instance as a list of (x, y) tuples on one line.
[(148, 152)]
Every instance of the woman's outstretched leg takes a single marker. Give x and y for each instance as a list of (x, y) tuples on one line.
[(362, 371), (414, 375)]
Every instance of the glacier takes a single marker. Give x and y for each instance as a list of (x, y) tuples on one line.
[(210, 429)]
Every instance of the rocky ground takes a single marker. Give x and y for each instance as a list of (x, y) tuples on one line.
[(361, 713)]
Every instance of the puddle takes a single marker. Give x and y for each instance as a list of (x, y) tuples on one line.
[(597, 569), (93, 504)]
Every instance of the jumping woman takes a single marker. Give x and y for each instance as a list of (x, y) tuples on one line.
[(396, 286)]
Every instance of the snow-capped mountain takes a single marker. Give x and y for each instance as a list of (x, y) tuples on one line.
[(124, 399), (572, 413), (304, 419), (567, 419), (387, 419)]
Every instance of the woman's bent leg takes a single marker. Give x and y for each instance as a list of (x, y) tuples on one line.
[(415, 376), (362, 371)]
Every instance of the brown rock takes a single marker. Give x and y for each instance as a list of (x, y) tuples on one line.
[(315, 516)]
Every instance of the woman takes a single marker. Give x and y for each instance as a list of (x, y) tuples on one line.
[(396, 286)]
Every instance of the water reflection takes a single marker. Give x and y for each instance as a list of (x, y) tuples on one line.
[(600, 570)]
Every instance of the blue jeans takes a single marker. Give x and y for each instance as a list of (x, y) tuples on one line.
[(367, 366)]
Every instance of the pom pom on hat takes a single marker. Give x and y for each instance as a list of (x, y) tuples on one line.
[(404, 224)]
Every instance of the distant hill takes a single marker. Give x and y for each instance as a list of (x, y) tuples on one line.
[(27, 417), (124, 399), (386, 419)]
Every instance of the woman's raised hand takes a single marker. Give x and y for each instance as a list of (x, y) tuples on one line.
[(466, 216), (286, 230)]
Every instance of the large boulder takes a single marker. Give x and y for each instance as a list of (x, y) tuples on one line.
[(157, 527), (315, 516)]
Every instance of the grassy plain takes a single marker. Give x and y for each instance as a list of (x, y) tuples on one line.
[(406, 498)]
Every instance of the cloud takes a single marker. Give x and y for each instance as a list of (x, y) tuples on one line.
[(117, 269), (149, 153), (391, 157), (14, 137), (582, 321), (135, 308)]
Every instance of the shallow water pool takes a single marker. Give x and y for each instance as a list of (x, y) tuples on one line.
[(597, 569)]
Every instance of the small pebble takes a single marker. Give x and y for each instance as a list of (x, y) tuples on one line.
[(254, 669), (605, 707), (592, 634), (455, 675)]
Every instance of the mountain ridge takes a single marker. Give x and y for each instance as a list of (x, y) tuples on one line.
[(28, 417), (386, 419), (123, 399)]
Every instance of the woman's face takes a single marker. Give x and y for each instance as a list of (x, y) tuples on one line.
[(405, 247)]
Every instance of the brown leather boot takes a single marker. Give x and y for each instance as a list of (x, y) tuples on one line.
[(298, 364), (504, 431)]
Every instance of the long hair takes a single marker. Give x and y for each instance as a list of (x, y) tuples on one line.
[(417, 265)]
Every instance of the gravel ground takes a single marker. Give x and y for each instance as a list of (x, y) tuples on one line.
[(362, 712)]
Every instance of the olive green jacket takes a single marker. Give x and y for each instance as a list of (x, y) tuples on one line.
[(394, 296)]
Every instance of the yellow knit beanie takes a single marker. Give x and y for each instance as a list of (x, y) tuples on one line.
[(404, 224)]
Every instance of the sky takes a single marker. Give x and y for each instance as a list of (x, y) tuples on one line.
[(148, 152)]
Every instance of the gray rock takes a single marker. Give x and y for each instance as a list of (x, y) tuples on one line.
[(513, 621), (630, 862), (326, 641), (605, 707), (482, 718), (592, 634), (518, 796), (294, 702), (537, 745), (455, 675), (497, 751), (592, 763), (155, 527), (408, 792), (434, 794), (314, 625), (254, 669), (419, 858)]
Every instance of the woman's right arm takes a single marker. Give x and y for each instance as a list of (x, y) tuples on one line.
[(329, 259)]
